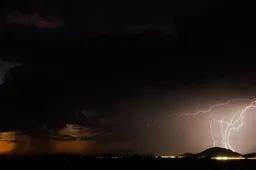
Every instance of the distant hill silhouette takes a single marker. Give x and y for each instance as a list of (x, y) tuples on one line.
[(212, 152), (249, 155), (217, 151), (187, 155)]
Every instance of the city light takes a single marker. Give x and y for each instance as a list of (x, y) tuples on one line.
[(227, 158)]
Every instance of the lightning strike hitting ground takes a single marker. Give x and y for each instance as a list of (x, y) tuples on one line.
[(213, 139), (226, 127)]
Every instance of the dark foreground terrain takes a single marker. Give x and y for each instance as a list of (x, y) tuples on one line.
[(120, 163)]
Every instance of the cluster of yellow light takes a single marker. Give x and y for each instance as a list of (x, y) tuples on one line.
[(111, 157), (227, 158), (167, 156), (180, 156)]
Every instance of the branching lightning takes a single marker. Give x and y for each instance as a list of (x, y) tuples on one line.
[(235, 123)]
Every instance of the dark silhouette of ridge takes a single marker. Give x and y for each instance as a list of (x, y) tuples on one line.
[(187, 155), (217, 151), (212, 152), (249, 155)]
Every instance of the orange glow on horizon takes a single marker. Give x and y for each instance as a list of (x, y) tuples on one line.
[(69, 147), (76, 147), (30, 145), (7, 147)]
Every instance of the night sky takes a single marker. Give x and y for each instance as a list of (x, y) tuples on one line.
[(121, 71)]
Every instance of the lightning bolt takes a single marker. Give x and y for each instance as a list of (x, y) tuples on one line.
[(226, 127), (213, 139)]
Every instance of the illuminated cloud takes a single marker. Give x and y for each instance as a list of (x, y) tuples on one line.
[(75, 139), (73, 132), (32, 20)]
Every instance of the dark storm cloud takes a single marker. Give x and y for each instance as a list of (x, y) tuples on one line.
[(39, 100), (100, 17), (122, 94), (10, 141), (65, 138), (36, 94), (5, 67), (197, 34)]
